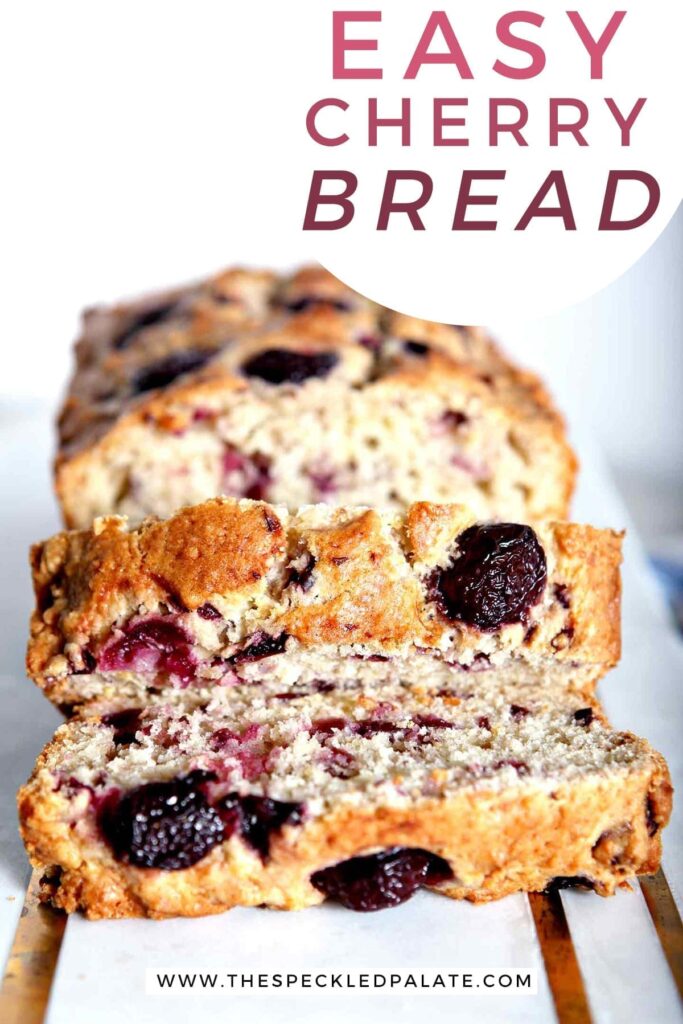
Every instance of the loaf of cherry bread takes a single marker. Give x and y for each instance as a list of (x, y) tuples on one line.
[(297, 390), (238, 591), (358, 795)]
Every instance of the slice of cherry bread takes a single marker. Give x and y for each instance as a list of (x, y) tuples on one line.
[(235, 591), (298, 390), (260, 797)]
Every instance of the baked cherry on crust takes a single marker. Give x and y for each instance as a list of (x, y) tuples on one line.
[(168, 825), (165, 371), (416, 348), (305, 302), (382, 879), (498, 574), (285, 366), (147, 318)]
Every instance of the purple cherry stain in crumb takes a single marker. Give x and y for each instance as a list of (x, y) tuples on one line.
[(258, 646), (454, 418), (521, 767), (300, 572), (317, 686), (563, 638), (247, 476), (151, 646), (518, 713), (480, 663), (433, 722), (167, 825), (70, 786), (498, 574), (258, 818), (374, 727), (125, 724), (208, 612), (324, 481), (370, 342), (89, 661), (338, 763), (326, 726), (244, 749), (202, 414), (272, 522), (223, 738), (381, 880), (287, 366)]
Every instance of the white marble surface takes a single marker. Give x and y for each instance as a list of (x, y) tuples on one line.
[(100, 975)]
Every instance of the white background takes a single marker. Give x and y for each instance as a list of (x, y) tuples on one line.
[(130, 161), (475, 276)]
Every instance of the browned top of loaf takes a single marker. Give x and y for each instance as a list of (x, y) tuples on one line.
[(371, 576), (239, 312)]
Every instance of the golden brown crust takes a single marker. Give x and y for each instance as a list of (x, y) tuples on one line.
[(429, 529), (213, 549), (103, 409), (589, 560), (604, 828), (368, 595), (370, 584)]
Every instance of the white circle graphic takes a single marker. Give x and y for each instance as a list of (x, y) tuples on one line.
[(512, 150)]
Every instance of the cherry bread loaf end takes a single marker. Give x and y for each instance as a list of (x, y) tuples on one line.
[(297, 390)]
